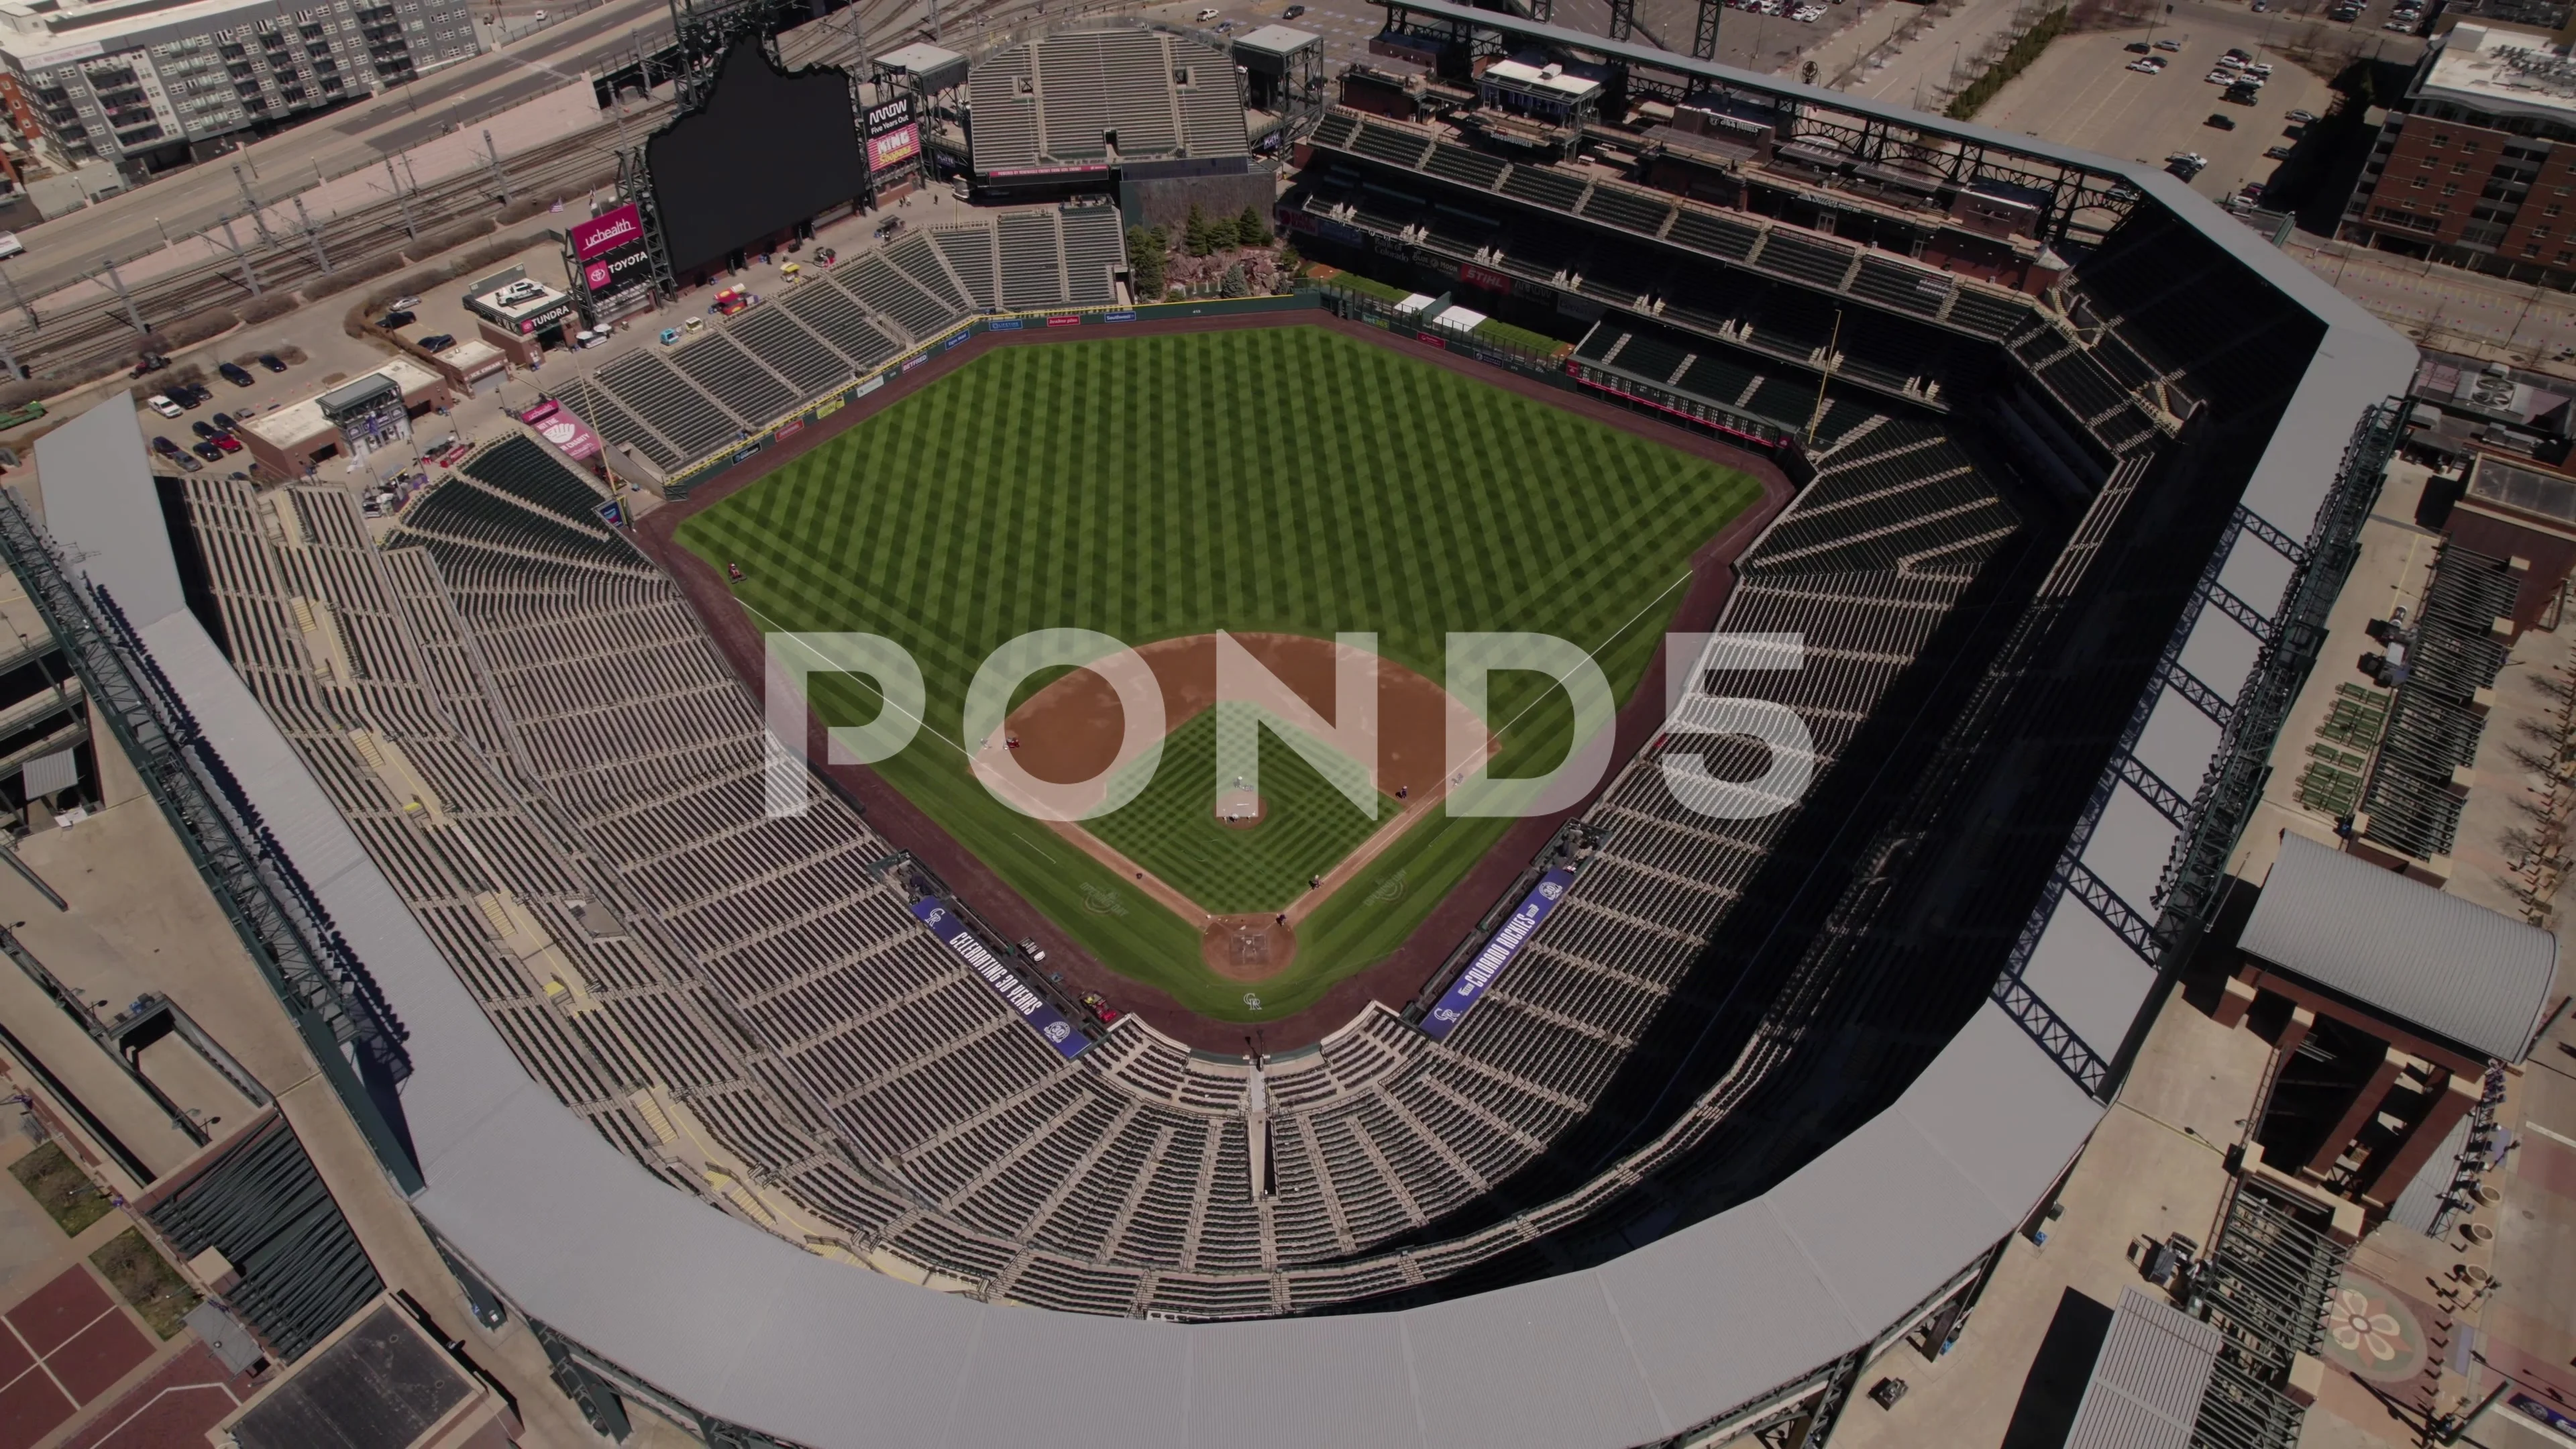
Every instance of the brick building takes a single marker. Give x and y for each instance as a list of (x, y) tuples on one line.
[(2476, 165)]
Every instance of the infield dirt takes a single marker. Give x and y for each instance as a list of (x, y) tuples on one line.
[(1392, 979), (1070, 731)]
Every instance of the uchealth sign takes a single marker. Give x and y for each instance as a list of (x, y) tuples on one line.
[(606, 232)]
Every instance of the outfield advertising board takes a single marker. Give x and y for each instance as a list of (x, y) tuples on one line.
[(1505, 944), (609, 231), (612, 267), (1032, 1008), (554, 423), (894, 136)]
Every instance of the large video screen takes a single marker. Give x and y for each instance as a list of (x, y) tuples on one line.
[(767, 151)]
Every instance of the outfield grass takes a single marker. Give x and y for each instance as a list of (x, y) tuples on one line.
[(1285, 479), (1171, 828)]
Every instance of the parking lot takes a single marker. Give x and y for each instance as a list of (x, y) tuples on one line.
[(203, 419), (2081, 92)]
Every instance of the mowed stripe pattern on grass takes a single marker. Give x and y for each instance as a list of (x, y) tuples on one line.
[(1171, 828), (1282, 479)]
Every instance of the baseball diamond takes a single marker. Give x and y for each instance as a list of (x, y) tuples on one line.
[(1300, 826), (1286, 480)]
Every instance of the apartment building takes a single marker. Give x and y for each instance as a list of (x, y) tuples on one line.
[(2476, 165), (148, 84)]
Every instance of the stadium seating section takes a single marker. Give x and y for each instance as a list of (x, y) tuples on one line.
[(1079, 97), (842, 322), (744, 1003), (730, 997)]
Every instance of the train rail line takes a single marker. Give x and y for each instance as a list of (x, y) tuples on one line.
[(273, 258)]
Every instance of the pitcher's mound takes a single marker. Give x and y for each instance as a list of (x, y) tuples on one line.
[(1247, 948), (1239, 809)]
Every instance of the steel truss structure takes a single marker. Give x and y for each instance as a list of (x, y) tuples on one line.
[(2195, 876), (345, 1020), (2083, 204)]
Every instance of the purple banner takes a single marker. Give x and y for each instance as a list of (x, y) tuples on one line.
[(2532, 1408), (1042, 1018), (1498, 953)]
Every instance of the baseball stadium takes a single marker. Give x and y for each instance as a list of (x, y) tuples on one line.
[(1283, 1098)]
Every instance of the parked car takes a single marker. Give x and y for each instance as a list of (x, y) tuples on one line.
[(164, 446), (270, 361), (203, 429), (1292, 12), (227, 422), (2234, 53), (207, 451), (1207, 15), (2139, 47), (402, 303), (2141, 67), (438, 342), (2172, 45), (226, 441), (2302, 118), (670, 335), (395, 320), (234, 373), (187, 464), (2277, 153), (160, 403), (2221, 120), (191, 395), (152, 363)]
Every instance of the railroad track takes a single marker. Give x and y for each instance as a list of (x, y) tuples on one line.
[(103, 329)]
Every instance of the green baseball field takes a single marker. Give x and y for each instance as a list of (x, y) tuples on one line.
[(1279, 479)]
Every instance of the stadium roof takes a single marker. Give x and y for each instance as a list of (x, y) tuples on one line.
[(743, 1326), (2449, 966), (1277, 40), (2147, 1381)]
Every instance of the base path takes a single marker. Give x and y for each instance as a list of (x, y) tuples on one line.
[(1394, 979), (1071, 731)]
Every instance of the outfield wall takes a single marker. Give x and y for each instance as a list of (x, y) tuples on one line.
[(1354, 306), (689, 476)]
